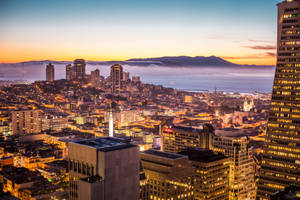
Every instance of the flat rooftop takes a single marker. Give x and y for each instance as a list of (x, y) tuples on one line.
[(163, 154), (189, 129), (291, 192), (106, 144), (202, 155)]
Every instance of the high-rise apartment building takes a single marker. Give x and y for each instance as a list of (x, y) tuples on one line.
[(79, 68), (126, 76), (50, 72), (95, 78), (169, 175), (69, 72), (281, 156), (211, 174), (116, 76), (179, 138), (26, 122), (104, 169), (242, 166), (77, 71)]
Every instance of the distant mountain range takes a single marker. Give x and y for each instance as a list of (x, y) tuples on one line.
[(170, 61)]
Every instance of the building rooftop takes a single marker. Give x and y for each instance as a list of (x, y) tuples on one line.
[(163, 154), (202, 155), (289, 193), (106, 144), (190, 129)]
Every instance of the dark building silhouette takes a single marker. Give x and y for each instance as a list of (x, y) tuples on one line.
[(116, 76), (77, 71), (50, 72)]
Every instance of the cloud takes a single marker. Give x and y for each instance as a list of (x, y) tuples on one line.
[(259, 47), (253, 56), (261, 41), (271, 54)]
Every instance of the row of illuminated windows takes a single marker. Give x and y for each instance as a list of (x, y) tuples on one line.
[(285, 109), (292, 26), (293, 37), (288, 54), (289, 32), (285, 137), (288, 65), (281, 176), (273, 103), (292, 127), (279, 164), (290, 116), (292, 82), (286, 93), (288, 16), (288, 59), (278, 131), (289, 48), (295, 150), (287, 71), (285, 98), (291, 155), (289, 43)]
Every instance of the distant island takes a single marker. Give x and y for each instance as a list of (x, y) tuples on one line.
[(166, 61)]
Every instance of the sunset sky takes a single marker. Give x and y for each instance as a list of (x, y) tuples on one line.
[(240, 31)]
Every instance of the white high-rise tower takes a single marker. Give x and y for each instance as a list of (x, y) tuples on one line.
[(111, 124)]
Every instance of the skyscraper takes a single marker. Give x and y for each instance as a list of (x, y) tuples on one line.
[(77, 71), (50, 72), (95, 78), (79, 68), (116, 76), (69, 72), (104, 169), (242, 166), (281, 157)]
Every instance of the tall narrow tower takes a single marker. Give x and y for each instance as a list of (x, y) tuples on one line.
[(79, 68), (50, 72), (111, 124), (281, 157), (116, 76)]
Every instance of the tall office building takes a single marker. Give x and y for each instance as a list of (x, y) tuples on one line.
[(95, 78), (50, 72), (79, 68), (126, 76), (242, 166), (169, 175), (179, 138), (104, 169), (69, 72), (26, 122), (116, 76), (77, 71), (211, 174), (281, 157)]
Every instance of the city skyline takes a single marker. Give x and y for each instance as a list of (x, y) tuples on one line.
[(241, 32)]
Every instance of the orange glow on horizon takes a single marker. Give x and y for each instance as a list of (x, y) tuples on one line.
[(13, 54)]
